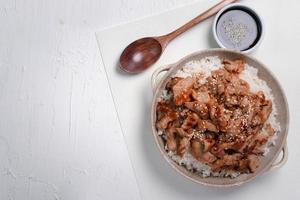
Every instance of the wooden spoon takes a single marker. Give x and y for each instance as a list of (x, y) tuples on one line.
[(144, 52)]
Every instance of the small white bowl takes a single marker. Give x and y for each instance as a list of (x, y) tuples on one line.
[(249, 10)]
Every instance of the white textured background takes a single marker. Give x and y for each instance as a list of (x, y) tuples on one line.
[(59, 136)]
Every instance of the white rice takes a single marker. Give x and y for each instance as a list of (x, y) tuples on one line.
[(205, 66)]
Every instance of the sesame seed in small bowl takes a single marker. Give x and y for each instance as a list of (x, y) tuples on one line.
[(238, 27)]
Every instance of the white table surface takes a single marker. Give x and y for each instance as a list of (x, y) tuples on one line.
[(59, 133)]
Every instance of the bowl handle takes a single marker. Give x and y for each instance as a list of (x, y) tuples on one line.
[(154, 77), (283, 159)]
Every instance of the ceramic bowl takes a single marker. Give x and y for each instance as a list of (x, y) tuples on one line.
[(258, 18), (267, 162)]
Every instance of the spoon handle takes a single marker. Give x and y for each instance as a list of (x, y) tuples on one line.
[(165, 39)]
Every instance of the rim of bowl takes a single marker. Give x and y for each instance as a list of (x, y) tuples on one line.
[(214, 27)]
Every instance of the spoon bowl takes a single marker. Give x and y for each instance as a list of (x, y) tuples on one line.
[(140, 54)]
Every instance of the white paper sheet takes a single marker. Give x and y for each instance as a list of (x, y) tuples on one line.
[(132, 95)]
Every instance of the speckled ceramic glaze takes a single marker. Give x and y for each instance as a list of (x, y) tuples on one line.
[(264, 73)]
